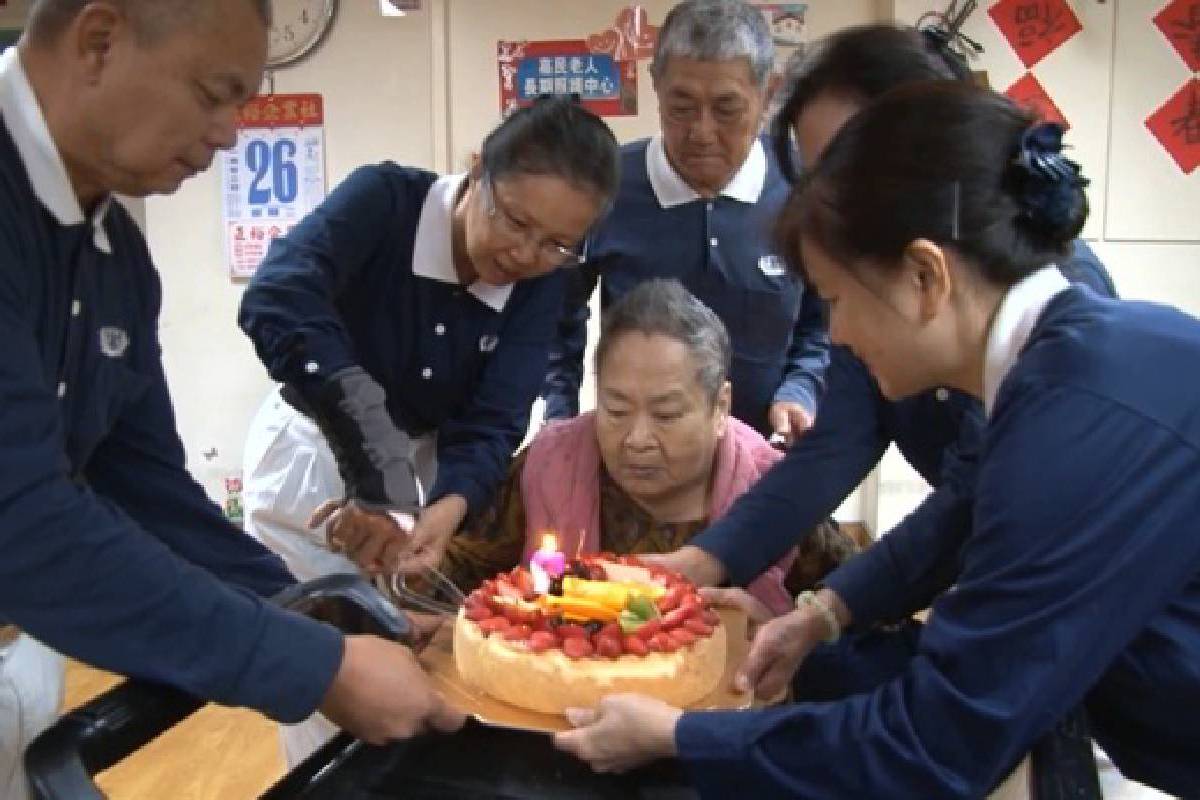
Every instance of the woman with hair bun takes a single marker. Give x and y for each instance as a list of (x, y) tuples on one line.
[(931, 226)]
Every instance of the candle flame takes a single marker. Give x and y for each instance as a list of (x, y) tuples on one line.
[(550, 542)]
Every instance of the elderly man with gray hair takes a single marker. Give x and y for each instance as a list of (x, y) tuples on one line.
[(697, 202)]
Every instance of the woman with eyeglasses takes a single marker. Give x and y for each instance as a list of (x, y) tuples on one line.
[(408, 320)]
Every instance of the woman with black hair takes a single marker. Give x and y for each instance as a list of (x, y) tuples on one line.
[(408, 320), (930, 227)]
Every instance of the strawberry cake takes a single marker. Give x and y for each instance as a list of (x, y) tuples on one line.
[(608, 624)]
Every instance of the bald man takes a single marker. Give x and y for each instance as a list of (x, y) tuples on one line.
[(112, 553)]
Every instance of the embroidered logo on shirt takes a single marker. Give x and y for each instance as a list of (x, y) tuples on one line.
[(772, 266), (488, 342), (113, 341)]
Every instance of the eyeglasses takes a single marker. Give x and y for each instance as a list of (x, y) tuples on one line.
[(549, 252)]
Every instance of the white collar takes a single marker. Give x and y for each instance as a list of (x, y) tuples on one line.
[(1019, 311), (432, 257), (27, 125), (672, 190)]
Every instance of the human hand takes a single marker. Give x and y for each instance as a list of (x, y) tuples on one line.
[(366, 537), (739, 598), (424, 628), (789, 421), (624, 731), (782, 644), (426, 547), (697, 565), (380, 694)]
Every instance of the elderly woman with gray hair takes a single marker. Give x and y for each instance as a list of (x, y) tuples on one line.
[(697, 202), (658, 460)]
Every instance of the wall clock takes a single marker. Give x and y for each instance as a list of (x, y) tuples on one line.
[(297, 26)]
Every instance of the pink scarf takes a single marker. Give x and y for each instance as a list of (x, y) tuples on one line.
[(560, 486)]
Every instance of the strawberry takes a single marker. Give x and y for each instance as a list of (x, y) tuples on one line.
[(673, 619), (698, 627), (523, 580), (506, 589), (494, 625), (635, 646), (612, 629), (608, 646), (518, 633), (692, 604), (478, 613), (577, 647), (648, 629), (541, 641), (570, 630), (674, 596), (663, 643)]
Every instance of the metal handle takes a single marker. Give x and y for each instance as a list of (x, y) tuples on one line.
[(62, 760)]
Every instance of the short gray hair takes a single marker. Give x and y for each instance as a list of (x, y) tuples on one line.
[(716, 30), (662, 306), (152, 19)]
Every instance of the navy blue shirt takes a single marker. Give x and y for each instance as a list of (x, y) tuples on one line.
[(112, 553), (938, 433), (723, 251), (1079, 582), (339, 290)]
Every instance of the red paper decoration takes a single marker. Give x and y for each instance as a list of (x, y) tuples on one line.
[(1179, 21), (630, 37), (1028, 92), (1035, 28), (1176, 125)]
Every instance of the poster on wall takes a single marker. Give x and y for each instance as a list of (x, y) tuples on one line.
[(605, 85), (1029, 93), (1176, 126), (1179, 22), (273, 176), (788, 22), (630, 37), (1035, 28)]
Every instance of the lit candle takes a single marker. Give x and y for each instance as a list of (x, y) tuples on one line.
[(546, 563)]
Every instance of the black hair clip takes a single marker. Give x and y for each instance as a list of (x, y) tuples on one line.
[(1041, 154), (1049, 179), (939, 41)]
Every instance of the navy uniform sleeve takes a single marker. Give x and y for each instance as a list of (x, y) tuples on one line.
[(1083, 266), (476, 446), (82, 576), (808, 355), (1053, 588), (816, 474), (915, 562), (918, 559), (565, 373), (288, 310)]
